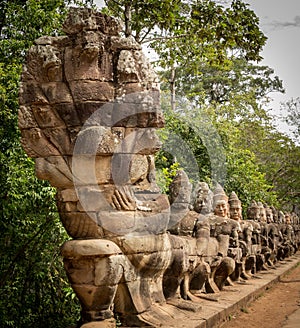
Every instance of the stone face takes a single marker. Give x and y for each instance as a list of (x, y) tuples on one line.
[(45, 60), (76, 67), (89, 110)]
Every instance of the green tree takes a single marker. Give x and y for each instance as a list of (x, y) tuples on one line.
[(184, 34), (278, 157), (145, 19), (220, 151), (206, 53), (245, 174), (291, 111), (221, 83), (209, 36), (217, 75), (34, 289)]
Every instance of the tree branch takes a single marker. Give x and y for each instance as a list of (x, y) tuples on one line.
[(166, 38)]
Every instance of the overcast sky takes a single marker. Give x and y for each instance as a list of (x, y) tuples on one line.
[(280, 21)]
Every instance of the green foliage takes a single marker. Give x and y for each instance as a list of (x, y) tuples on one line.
[(141, 18), (292, 116), (34, 288), (246, 179), (166, 173), (220, 156), (277, 157), (182, 142), (9, 84), (25, 21), (237, 81), (208, 32)]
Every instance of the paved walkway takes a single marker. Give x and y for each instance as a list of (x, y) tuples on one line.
[(233, 298), (293, 320)]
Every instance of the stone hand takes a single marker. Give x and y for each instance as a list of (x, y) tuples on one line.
[(124, 199)]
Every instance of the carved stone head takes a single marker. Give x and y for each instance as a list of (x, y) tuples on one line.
[(253, 211), (262, 213), (220, 202), (202, 198), (235, 207), (287, 217), (269, 215)]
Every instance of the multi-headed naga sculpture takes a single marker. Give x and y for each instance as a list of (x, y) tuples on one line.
[(89, 108)]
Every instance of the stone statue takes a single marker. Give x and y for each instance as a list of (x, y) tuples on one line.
[(245, 260), (289, 241), (265, 242), (189, 272), (253, 217), (221, 230), (273, 235), (202, 198), (253, 212), (89, 107)]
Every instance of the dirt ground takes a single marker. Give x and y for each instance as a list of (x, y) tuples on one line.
[(273, 307)]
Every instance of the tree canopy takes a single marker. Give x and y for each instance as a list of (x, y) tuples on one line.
[(292, 117), (34, 289), (207, 55)]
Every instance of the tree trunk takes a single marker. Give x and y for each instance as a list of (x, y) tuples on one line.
[(172, 88), (127, 14)]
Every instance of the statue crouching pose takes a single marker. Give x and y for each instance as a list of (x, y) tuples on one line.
[(89, 108)]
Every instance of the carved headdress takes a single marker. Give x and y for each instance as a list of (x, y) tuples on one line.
[(253, 211), (235, 207), (219, 196), (234, 200)]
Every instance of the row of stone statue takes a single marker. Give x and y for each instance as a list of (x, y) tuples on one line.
[(89, 108), (144, 278), (230, 248)]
